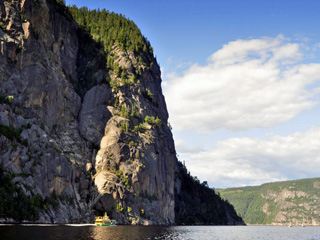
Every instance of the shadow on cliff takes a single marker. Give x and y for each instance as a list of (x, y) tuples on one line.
[(196, 203), (67, 123)]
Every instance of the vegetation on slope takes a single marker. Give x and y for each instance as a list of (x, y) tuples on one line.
[(196, 203), (111, 28), (16, 204), (101, 34), (278, 202), (108, 28)]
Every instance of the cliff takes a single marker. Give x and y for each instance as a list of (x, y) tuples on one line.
[(279, 203), (83, 122)]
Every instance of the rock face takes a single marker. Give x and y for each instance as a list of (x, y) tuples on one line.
[(89, 146), (134, 165), (280, 203), (83, 128), (38, 46)]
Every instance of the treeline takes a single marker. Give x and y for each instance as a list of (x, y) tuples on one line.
[(100, 33), (196, 203), (110, 28)]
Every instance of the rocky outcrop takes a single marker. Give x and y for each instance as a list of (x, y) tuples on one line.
[(90, 146), (135, 161)]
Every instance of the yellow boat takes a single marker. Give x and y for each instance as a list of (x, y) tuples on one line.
[(104, 221)]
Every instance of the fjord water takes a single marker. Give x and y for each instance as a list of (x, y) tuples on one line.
[(159, 232)]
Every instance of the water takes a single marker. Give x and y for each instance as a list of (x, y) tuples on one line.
[(159, 232)]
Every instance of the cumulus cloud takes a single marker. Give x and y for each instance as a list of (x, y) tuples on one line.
[(248, 161), (245, 84)]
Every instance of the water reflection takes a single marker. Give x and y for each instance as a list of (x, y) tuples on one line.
[(86, 232), (158, 232), (132, 233)]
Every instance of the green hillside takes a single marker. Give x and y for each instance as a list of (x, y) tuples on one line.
[(277, 203)]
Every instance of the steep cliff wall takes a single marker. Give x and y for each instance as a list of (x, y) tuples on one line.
[(46, 158), (87, 141), (83, 122)]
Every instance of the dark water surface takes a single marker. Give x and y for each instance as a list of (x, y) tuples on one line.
[(159, 232)]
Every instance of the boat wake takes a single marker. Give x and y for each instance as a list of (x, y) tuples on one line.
[(80, 225)]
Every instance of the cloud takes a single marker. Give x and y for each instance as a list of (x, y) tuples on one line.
[(246, 84), (184, 148), (248, 161)]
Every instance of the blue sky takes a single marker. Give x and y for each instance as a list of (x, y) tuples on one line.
[(247, 76), (192, 30)]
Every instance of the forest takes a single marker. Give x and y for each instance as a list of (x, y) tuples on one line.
[(196, 203), (277, 202)]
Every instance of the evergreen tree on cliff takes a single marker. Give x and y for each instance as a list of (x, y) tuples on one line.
[(83, 121)]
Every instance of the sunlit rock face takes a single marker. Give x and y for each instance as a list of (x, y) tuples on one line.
[(136, 158), (84, 128), (85, 146)]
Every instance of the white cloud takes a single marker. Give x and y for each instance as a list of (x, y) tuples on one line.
[(184, 148), (247, 161), (245, 84)]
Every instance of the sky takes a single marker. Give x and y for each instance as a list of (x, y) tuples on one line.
[(246, 75)]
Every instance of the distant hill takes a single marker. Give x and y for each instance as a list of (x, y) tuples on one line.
[(277, 203)]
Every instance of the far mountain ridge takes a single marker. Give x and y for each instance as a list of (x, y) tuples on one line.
[(295, 202)]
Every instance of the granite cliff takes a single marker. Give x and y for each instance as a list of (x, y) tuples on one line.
[(83, 127)]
